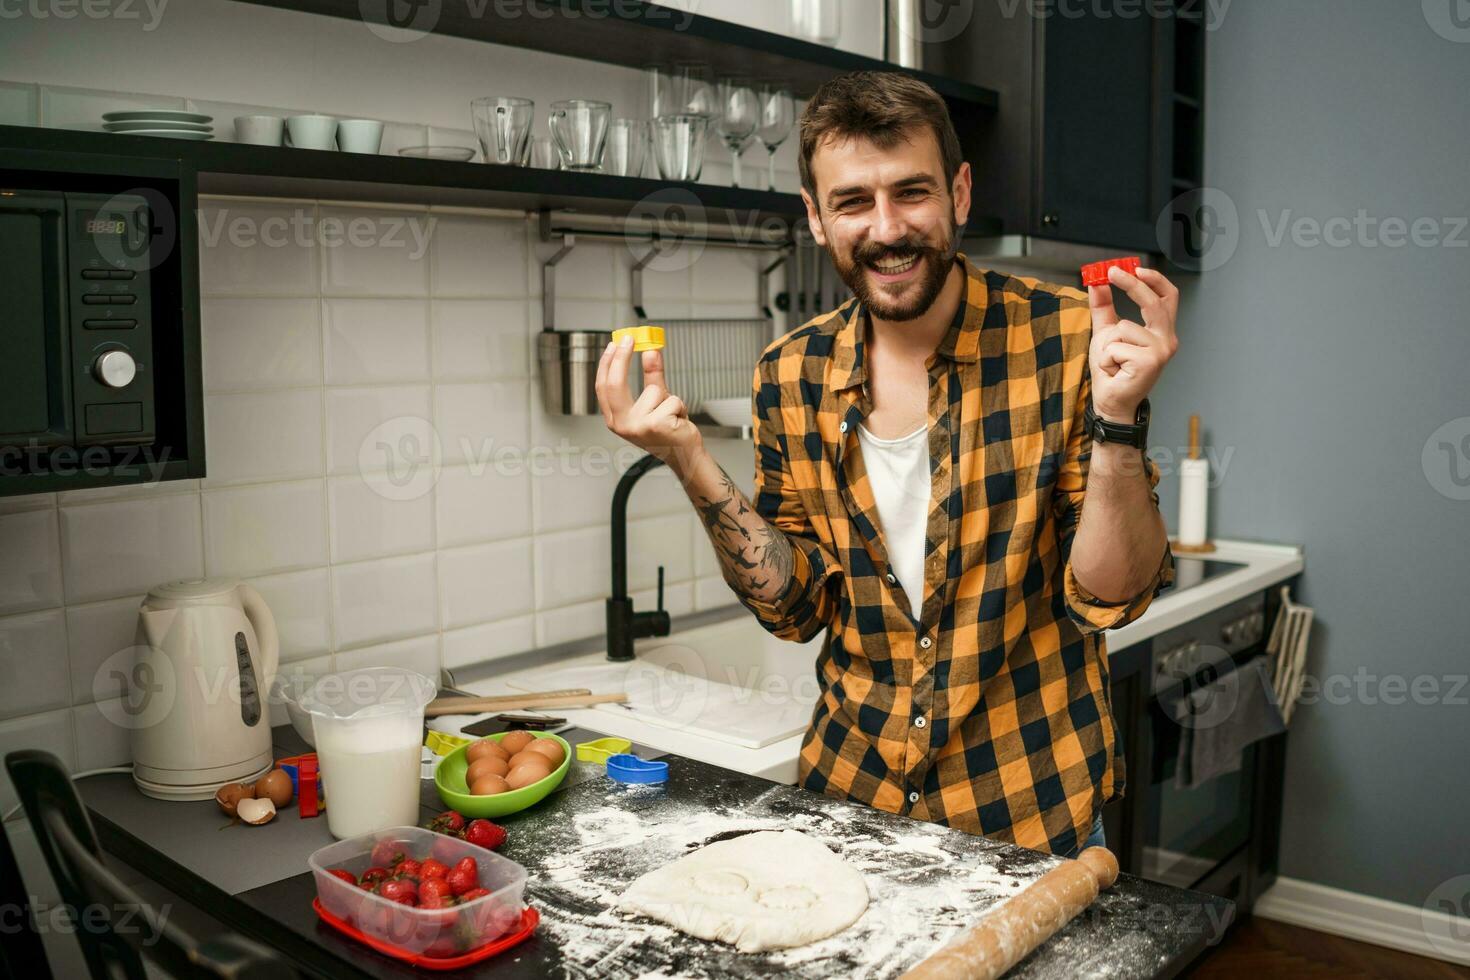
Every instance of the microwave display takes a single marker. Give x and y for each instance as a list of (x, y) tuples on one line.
[(93, 225)]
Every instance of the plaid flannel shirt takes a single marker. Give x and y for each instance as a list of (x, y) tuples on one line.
[(991, 713)]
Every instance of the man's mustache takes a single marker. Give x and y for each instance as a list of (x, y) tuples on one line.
[(869, 253)]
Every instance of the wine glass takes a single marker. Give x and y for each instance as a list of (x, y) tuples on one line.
[(736, 115), (778, 116)]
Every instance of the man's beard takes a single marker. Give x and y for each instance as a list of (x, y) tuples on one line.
[(935, 263)]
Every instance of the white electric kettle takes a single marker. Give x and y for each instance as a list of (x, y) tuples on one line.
[(205, 653)]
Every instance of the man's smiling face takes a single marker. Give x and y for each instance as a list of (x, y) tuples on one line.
[(889, 218)]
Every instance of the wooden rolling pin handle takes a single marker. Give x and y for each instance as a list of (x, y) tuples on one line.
[(1005, 936)]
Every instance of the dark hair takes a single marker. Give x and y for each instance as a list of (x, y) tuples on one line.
[(881, 106)]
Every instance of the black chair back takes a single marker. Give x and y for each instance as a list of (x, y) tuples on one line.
[(115, 927), (22, 954)]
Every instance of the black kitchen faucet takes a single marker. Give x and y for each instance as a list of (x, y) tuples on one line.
[(623, 624)]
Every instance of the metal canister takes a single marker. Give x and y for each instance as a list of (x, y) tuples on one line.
[(567, 360)]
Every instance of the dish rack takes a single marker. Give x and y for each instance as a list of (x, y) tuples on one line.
[(706, 358)]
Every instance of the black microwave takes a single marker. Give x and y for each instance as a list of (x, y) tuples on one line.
[(100, 382)]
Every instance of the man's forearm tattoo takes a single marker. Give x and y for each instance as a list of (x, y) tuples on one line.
[(756, 556)]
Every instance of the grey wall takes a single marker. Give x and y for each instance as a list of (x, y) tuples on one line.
[(1325, 370)]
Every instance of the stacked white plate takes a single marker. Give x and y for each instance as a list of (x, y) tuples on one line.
[(160, 122)]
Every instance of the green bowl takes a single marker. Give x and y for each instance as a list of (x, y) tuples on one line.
[(449, 781)]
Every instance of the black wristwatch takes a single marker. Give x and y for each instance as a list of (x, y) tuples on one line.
[(1102, 430)]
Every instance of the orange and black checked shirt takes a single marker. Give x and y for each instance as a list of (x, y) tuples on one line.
[(992, 712)]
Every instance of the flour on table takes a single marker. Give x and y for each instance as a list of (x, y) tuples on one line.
[(760, 891)]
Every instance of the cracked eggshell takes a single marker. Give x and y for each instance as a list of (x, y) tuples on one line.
[(256, 812)]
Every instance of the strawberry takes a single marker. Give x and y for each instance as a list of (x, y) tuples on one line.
[(449, 822), (374, 875), (433, 892), (399, 890), (461, 880), (407, 866), (342, 873), (473, 894), (469, 866), (485, 834), (433, 868), (387, 853)]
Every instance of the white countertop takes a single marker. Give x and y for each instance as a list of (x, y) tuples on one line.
[(1264, 565)]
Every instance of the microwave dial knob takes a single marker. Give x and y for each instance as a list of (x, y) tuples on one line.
[(115, 369)]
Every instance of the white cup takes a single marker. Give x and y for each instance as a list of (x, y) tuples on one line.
[(312, 132), (359, 135), (260, 130)]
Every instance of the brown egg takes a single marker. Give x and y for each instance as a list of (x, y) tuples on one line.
[(513, 742), (274, 786), (229, 795), (478, 750), (550, 748), (526, 755), (486, 765), (489, 786), (528, 772)]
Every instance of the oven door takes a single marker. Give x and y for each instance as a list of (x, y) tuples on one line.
[(1188, 832), (35, 388)]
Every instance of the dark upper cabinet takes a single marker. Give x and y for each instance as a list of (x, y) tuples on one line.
[(1100, 123)]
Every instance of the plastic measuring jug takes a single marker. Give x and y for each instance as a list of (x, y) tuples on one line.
[(369, 728)]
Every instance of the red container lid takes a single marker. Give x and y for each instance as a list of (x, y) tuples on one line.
[(1096, 273), (530, 918)]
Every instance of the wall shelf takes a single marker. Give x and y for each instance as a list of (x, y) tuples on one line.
[(273, 171), (633, 34)]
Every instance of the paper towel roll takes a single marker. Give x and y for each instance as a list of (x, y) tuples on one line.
[(1194, 478)]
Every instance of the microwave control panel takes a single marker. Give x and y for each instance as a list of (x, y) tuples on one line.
[(109, 242)]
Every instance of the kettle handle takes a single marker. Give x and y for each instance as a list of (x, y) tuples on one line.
[(264, 623)]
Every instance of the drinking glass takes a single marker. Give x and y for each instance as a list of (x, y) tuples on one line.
[(541, 153), (738, 114), (503, 126), (817, 20), (579, 127), (627, 144), (691, 91), (678, 146), (778, 116)]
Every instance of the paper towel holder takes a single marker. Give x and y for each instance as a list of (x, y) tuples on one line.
[(1206, 546)]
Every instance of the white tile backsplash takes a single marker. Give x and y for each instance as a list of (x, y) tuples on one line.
[(272, 527), (33, 666), (255, 249), (481, 339), (258, 342), (375, 253), (301, 603), (370, 520), (376, 341), (126, 547), (380, 468), (18, 104), (100, 741), (257, 436), (30, 574), (377, 430), (50, 730), (485, 582), (383, 600)]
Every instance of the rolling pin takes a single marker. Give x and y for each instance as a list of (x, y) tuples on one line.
[(1004, 936), (518, 702)]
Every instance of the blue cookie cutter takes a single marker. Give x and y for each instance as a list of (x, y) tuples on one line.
[(626, 768)]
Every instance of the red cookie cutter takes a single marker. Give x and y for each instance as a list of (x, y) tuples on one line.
[(1096, 273)]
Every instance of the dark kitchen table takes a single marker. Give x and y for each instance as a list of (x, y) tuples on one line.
[(584, 843)]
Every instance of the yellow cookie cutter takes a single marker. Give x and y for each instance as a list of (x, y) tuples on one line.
[(441, 743), (601, 749), (644, 338)]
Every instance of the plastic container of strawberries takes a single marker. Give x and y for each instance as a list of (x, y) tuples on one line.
[(451, 931)]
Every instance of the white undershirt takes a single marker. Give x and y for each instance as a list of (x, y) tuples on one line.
[(898, 471)]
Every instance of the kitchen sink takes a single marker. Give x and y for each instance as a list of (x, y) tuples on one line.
[(730, 681)]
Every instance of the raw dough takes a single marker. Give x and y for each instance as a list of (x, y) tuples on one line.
[(744, 891)]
